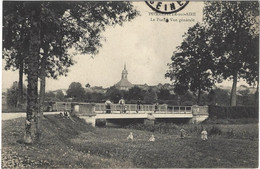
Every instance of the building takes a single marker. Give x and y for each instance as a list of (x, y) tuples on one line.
[(124, 84)]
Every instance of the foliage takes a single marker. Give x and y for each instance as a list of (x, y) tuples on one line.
[(76, 91), (233, 112), (234, 31), (164, 94), (192, 66), (150, 96), (136, 93), (12, 95), (114, 94), (60, 95), (58, 32), (50, 96), (221, 97), (97, 97), (87, 85)]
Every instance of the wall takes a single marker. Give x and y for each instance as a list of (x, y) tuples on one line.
[(200, 113)]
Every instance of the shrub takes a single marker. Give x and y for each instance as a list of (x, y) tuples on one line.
[(235, 112)]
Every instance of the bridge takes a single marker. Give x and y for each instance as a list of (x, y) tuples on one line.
[(94, 111), (132, 111)]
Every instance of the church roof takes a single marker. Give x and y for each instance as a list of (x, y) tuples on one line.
[(124, 83)]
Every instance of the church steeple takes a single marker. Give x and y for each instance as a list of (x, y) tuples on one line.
[(124, 72), (124, 84)]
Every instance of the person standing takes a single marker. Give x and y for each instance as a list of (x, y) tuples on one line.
[(138, 105), (156, 107), (108, 106), (122, 104)]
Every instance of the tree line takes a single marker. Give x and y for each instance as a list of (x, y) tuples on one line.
[(77, 93), (216, 96)]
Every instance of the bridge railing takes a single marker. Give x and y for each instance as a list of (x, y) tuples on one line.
[(62, 106), (134, 108)]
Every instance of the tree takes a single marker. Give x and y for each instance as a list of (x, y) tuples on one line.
[(233, 27), (50, 96), (54, 30), (87, 85), (60, 95), (211, 97), (12, 95), (192, 66), (97, 97), (15, 40), (136, 93), (150, 96), (186, 99), (164, 94), (76, 91), (221, 97), (113, 94)]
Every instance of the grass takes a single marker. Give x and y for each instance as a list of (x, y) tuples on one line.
[(68, 144)]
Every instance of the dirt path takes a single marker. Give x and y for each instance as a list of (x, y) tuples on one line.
[(9, 116)]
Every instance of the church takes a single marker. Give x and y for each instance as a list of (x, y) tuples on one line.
[(124, 84)]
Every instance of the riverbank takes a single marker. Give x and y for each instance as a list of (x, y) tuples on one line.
[(74, 144)]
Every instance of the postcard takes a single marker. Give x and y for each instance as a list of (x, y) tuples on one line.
[(127, 84)]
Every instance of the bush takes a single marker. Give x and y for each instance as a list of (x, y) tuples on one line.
[(215, 131), (235, 112)]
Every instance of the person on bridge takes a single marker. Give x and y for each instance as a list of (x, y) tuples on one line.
[(122, 105), (156, 107), (108, 106), (139, 102)]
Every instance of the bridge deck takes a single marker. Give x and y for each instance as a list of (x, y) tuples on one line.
[(142, 115)]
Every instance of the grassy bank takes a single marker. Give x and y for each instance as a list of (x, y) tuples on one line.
[(231, 128), (68, 144)]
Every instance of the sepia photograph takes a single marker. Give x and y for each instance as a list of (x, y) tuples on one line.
[(130, 84)]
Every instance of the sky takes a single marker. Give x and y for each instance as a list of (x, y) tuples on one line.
[(144, 44)]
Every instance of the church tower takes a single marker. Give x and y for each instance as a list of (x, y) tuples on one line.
[(124, 84), (124, 73)]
